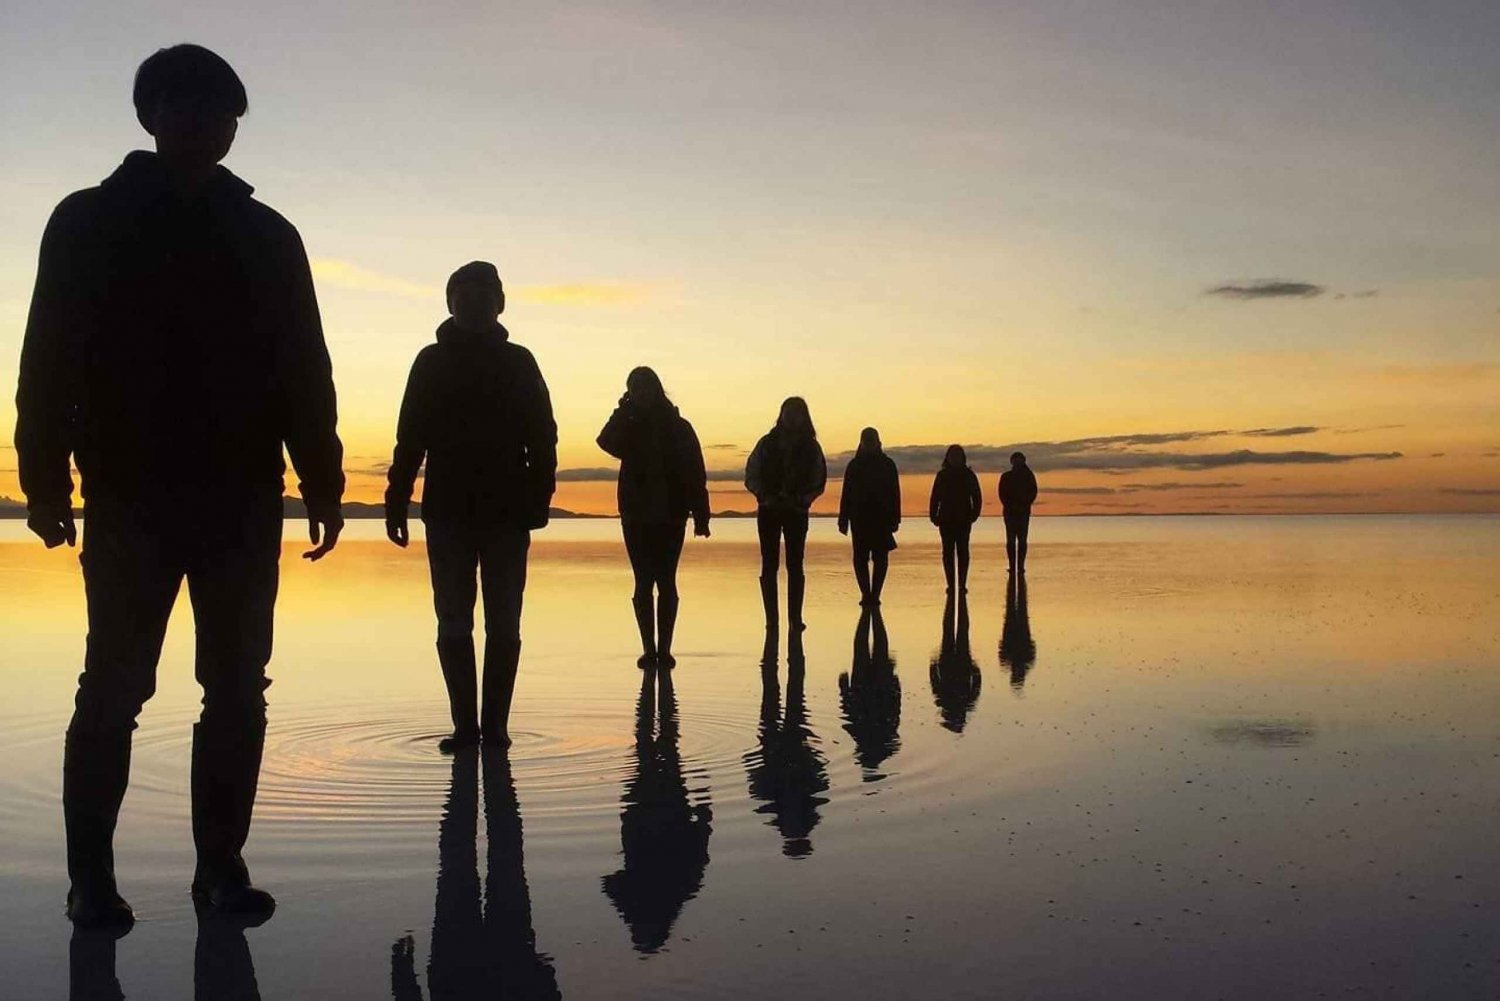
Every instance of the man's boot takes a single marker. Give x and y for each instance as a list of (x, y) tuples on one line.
[(644, 616), (501, 658), (795, 585), (666, 624), (96, 769), (456, 658), (769, 600), (225, 774)]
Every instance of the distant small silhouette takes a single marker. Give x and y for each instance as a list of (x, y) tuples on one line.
[(477, 410), (1017, 648), (173, 348), (483, 943), (787, 773), (954, 675), (954, 507), (870, 695), (870, 508), (663, 834), (1017, 494), (786, 472), (662, 482)]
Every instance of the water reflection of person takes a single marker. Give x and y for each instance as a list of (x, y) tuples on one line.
[(91, 966), (1017, 648), (664, 837), (222, 968), (954, 674), (787, 773), (483, 944), (870, 694)]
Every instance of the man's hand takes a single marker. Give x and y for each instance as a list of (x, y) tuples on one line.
[(396, 530), (324, 523), (53, 524), (700, 527), (843, 526)]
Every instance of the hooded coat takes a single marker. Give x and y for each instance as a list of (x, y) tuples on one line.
[(477, 409), (786, 472), (173, 347), (956, 498), (662, 476)]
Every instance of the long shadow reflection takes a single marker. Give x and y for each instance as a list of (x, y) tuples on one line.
[(870, 695), (787, 773), (222, 967), (1017, 648), (483, 944), (954, 675), (663, 835)]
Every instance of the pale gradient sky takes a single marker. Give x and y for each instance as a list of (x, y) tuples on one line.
[(984, 223)]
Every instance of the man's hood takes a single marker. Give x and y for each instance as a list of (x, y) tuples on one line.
[(449, 332), (142, 176)]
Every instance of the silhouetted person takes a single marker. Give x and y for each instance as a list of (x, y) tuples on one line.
[(1017, 648), (870, 694), (222, 967), (477, 409), (786, 472), (662, 481), (173, 347), (870, 509), (483, 944), (954, 674), (1017, 494), (663, 835), (954, 507), (787, 773)]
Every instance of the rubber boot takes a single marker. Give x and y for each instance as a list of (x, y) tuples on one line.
[(91, 967), (768, 598), (96, 770), (666, 624), (501, 658), (225, 775), (644, 615), (456, 658), (795, 585)]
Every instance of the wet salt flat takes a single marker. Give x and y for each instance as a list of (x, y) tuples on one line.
[(1208, 757)]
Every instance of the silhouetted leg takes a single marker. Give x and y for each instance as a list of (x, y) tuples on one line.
[(455, 962), (517, 970), (882, 559), (453, 561), (1023, 528), (768, 530), (795, 528), (232, 582), (1010, 540), (862, 572), (404, 986), (950, 544), (503, 566), (91, 967), (130, 581), (638, 547), (669, 555), (961, 544), (222, 967)]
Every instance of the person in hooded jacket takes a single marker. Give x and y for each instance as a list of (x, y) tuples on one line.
[(173, 348), (786, 472), (1017, 493), (477, 410), (662, 481), (954, 507), (870, 509)]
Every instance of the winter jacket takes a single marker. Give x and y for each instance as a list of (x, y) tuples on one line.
[(662, 478), (786, 473), (956, 497), (871, 498), (173, 347), (1017, 488), (477, 409)]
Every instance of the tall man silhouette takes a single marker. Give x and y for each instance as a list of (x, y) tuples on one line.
[(1017, 494), (173, 347)]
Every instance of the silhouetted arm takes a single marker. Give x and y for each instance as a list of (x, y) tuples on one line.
[(695, 473), (976, 497), (819, 477), (1029, 488), (754, 479), (894, 489), (615, 438), (47, 393), (304, 376), (412, 430), (934, 504), (539, 434), (847, 487)]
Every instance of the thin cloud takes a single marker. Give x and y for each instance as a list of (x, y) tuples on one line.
[(608, 474), (348, 275), (585, 294), (1267, 288), (356, 277), (1290, 432), (721, 447), (1471, 491)]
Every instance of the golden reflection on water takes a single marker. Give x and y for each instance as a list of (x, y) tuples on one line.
[(1188, 726)]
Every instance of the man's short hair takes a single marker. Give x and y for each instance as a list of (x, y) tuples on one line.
[(188, 71), (1016, 458), (475, 272)]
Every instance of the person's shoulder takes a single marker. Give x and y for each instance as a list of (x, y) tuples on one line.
[(77, 211), (268, 221), (518, 354)]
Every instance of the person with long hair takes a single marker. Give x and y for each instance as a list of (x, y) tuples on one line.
[(954, 507), (786, 472), (662, 481), (870, 513)]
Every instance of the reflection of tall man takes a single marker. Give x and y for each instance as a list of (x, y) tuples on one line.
[(1017, 494), (173, 348)]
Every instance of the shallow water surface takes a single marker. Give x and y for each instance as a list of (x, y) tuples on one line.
[(1197, 757)]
